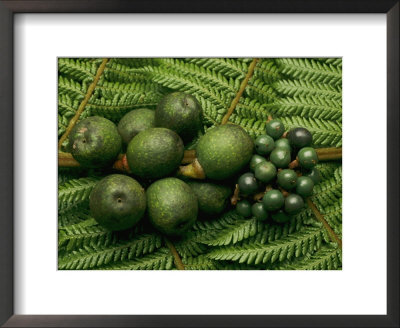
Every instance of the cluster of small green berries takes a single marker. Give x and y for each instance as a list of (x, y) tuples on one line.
[(282, 176)]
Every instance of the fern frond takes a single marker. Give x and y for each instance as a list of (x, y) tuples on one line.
[(332, 61), (77, 69), (67, 106), (257, 89), (74, 89), (72, 215), (116, 72), (266, 70), (136, 62), (329, 191), (231, 67), (200, 263), (75, 191)]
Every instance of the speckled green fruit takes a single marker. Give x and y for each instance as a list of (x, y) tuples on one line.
[(117, 202), (255, 160), (212, 198), (95, 142), (280, 157), (280, 216), (155, 153), (134, 122), (304, 186), (265, 172), (299, 137), (293, 204), (264, 144), (224, 150), (307, 157), (243, 208), (259, 212), (287, 179), (171, 206), (181, 113), (275, 129), (273, 200), (283, 143), (314, 175)]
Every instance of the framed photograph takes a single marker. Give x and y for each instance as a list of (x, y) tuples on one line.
[(199, 164)]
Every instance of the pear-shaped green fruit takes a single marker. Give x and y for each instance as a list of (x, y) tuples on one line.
[(117, 202), (172, 206), (95, 142), (135, 121)]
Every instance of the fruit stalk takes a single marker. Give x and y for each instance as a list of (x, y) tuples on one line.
[(324, 154), (177, 259)]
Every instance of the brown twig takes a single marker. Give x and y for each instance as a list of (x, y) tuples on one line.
[(177, 259), (329, 154), (243, 85), (235, 197), (84, 102)]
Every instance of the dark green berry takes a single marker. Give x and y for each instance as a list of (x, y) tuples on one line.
[(273, 200), (280, 157), (247, 184), (95, 142), (134, 122), (283, 143), (314, 175), (299, 137), (307, 157), (259, 211), (264, 144), (304, 186), (293, 204), (265, 171), (117, 202), (280, 216), (287, 179), (275, 129), (243, 208), (255, 160)]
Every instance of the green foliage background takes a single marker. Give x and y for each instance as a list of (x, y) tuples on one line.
[(301, 92)]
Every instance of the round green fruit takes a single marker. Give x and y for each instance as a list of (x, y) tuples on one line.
[(293, 204), (155, 153), (280, 157), (243, 208), (280, 216), (247, 184), (255, 160), (117, 202), (172, 206), (304, 186), (212, 198), (283, 143), (314, 175), (307, 157), (259, 212), (273, 200), (299, 137), (264, 144), (224, 150), (134, 122), (275, 129), (265, 172), (95, 142), (181, 113), (287, 179)]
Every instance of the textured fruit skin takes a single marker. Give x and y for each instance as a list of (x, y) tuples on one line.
[(224, 150), (155, 153), (273, 200), (212, 198), (264, 144), (299, 137), (95, 142), (247, 184), (265, 171), (275, 129), (243, 208), (293, 204), (117, 202), (280, 216), (171, 206), (255, 160), (287, 179), (134, 122), (259, 211), (283, 143), (314, 175), (308, 157), (304, 186), (181, 113), (280, 157)]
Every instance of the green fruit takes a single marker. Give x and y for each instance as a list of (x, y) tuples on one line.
[(243, 208), (134, 122), (305, 186), (314, 175), (307, 157), (275, 129), (172, 206), (155, 153), (265, 171), (273, 200), (280, 157), (259, 211), (287, 179), (117, 202), (212, 198), (247, 184), (255, 160), (299, 137), (224, 150), (283, 143), (293, 204), (95, 142), (280, 216), (264, 144), (181, 113)]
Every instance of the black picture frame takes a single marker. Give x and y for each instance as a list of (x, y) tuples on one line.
[(7, 11)]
